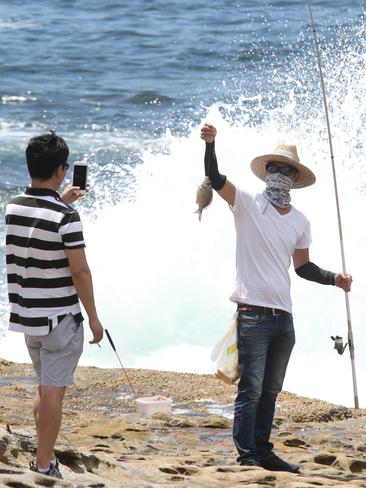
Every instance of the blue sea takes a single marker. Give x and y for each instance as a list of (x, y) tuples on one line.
[(128, 85)]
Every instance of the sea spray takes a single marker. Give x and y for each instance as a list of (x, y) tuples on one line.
[(162, 280)]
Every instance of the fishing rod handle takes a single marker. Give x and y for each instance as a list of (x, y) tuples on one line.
[(110, 340)]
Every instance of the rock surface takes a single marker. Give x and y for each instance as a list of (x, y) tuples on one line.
[(105, 443)]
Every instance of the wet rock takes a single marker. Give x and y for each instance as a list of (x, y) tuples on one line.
[(209, 462), (28, 444), (4, 443), (4, 469), (4, 363), (347, 463), (323, 413), (215, 423), (168, 470), (77, 461), (183, 470), (173, 421), (117, 436), (357, 465), (295, 442), (285, 433), (18, 484), (136, 428), (177, 478), (193, 449), (325, 458), (9, 450), (277, 422)]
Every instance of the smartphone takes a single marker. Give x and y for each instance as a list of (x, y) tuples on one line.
[(80, 175)]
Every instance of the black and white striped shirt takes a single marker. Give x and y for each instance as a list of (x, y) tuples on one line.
[(41, 292)]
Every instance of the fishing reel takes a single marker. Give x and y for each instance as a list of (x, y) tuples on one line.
[(338, 344)]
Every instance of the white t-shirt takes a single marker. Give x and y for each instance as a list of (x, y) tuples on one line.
[(265, 242)]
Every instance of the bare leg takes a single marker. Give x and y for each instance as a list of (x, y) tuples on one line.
[(47, 407), (36, 401)]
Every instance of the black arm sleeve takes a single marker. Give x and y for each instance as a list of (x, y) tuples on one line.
[(211, 168), (312, 272)]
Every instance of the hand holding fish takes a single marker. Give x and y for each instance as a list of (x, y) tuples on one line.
[(208, 133)]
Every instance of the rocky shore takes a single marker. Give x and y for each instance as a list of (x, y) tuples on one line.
[(105, 443)]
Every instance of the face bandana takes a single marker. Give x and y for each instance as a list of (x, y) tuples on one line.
[(278, 190)]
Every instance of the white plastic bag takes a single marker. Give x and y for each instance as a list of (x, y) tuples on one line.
[(225, 355)]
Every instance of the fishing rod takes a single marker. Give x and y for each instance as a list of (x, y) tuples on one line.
[(120, 362), (348, 308)]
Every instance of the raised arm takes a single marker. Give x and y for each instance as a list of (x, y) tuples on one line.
[(219, 182)]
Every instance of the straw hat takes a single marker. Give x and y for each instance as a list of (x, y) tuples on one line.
[(284, 153)]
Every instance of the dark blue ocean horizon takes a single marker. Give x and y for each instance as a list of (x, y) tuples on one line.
[(86, 69), (77, 65)]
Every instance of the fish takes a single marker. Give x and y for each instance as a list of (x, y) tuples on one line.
[(203, 196)]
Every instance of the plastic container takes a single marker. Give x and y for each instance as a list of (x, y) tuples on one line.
[(155, 404)]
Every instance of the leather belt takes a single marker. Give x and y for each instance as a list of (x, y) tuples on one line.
[(242, 307)]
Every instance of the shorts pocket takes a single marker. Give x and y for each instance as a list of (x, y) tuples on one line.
[(61, 335)]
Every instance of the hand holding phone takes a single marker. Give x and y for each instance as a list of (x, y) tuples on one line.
[(80, 175)]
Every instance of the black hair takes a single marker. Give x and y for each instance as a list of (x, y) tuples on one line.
[(45, 154)]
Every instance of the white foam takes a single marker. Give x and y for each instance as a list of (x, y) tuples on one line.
[(15, 99), (13, 348), (184, 358)]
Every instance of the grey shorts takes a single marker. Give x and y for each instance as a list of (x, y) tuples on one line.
[(56, 355)]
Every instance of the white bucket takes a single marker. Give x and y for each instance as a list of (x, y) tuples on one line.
[(154, 404)]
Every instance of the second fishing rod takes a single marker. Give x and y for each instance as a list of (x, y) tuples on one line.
[(340, 230)]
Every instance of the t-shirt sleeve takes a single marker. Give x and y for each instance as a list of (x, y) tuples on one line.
[(71, 231), (304, 240), (243, 201)]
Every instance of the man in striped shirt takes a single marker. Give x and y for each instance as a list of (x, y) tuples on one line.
[(47, 275)]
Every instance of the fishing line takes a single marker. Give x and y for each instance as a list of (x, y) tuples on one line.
[(348, 308)]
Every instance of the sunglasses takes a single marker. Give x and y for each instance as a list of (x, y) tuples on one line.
[(66, 166), (283, 170)]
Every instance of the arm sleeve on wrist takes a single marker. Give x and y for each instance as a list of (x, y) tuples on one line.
[(211, 169), (312, 272)]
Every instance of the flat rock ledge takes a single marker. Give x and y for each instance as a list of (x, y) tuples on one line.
[(105, 443)]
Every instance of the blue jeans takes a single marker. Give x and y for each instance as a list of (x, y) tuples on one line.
[(265, 343)]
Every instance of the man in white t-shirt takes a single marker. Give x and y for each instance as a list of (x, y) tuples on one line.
[(269, 232)]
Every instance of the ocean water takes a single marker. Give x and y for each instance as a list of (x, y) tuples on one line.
[(128, 84)]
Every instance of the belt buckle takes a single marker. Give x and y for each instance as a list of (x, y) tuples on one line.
[(275, 312)]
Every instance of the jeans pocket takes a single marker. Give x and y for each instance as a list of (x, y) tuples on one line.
[(249, 319), (247, 326)]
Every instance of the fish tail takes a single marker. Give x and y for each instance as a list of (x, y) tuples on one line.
[(199, 212)]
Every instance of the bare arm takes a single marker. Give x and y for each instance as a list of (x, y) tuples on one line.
[(227, 190), (308, 270), (83, 283), (300, 257)]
